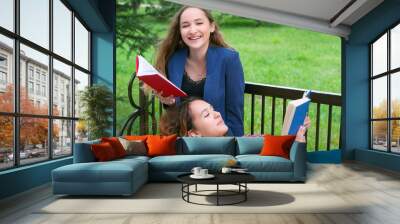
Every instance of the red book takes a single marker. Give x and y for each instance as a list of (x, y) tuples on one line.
[(149, 75)]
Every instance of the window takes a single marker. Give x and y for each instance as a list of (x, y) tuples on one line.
[(38, 89), (3, 78), (62, 29), (7, 14), (44, 91), (3, 71), (6, 73), (30, 72), (30, 87), (3, 61), (62, 77), (37, 74), (81, 81), (385, 97), (55, 129), (81, 45), (34, 22)]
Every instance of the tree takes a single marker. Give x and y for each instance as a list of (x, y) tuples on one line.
[(97, 104), (33, 130), (380, 111), (380, 128), (134, 32)]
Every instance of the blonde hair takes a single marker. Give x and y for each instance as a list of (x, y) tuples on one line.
[(173, 40)]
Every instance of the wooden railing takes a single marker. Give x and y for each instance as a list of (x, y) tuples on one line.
[(149, 109), (264, 92)]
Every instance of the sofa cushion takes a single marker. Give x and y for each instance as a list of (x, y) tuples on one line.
[(161, 145), (257, 163), (111, 171), (134, 147), (116, 145), (103, 151), (249, 145), (185, 163), (135, 137), (130, 158), (83, 152), (206, 145), (277, 145)]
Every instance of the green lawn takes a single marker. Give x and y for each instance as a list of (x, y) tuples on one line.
[(270, 54)]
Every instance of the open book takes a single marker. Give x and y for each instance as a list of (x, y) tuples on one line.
[(296, 112), (149, 75)]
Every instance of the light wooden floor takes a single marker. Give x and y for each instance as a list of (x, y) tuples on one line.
[(377, 188)]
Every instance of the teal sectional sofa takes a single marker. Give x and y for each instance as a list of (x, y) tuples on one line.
[(125, 176)]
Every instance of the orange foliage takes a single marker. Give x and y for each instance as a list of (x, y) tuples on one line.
[(33, 130), (380, 111)]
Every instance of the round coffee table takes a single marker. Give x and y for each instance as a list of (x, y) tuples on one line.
[(238, 179)]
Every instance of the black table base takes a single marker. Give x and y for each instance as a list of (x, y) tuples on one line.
[(241, 191)]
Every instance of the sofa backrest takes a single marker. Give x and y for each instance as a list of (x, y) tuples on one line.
[(206, 145), (83, 152), (190, 146), (249, 145)]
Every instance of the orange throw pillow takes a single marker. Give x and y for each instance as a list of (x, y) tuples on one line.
[(103, 152), (135, 137), (277, 145), (116, 145), (161, 145)]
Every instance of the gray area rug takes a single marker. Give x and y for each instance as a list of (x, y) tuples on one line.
[(166, 198)]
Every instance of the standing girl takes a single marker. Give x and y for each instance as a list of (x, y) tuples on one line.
[(195, 58)]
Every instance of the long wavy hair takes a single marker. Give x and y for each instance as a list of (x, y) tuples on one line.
[(177, 119), (173, 40)]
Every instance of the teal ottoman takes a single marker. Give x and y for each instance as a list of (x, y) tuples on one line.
[(118, 177)]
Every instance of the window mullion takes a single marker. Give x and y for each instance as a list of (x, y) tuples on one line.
[(389, 106), (371, 142), (73, 82), (50, 81), (16, 84)]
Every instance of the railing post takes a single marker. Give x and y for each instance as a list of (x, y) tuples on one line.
[(144, 118), (252, 114), (328, 143), (273, 116), (317, 127), (262, 113)]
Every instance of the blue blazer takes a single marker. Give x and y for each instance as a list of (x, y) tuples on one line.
[(224, 85)]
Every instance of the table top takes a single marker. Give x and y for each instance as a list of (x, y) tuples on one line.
[(220, 178)]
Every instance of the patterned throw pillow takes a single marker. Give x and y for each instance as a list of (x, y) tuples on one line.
[(135, 147)]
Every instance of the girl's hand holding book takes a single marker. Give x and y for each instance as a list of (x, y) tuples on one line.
[(169, 100)]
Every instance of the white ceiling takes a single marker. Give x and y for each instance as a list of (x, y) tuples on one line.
[(325, 16)]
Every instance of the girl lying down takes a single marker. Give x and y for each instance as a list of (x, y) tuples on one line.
[(195, 117)]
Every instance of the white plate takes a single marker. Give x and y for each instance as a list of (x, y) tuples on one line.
[(208, 176)]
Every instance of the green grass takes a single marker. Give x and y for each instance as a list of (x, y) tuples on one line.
[(270, 54)]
